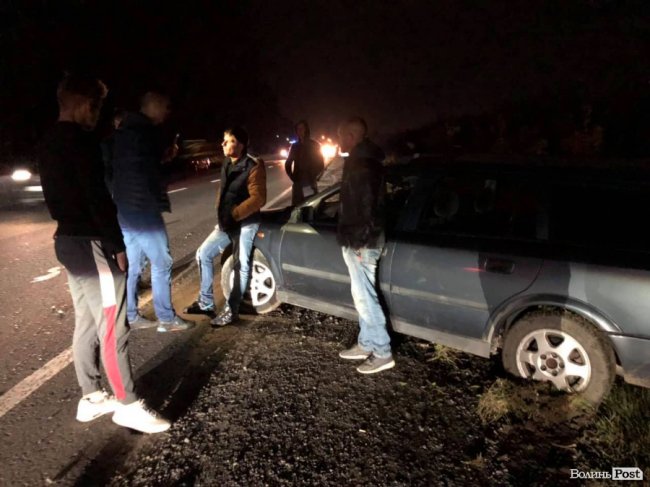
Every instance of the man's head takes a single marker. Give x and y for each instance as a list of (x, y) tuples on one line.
[(80, 100), (351, 133), (155, 106), (302, 130), (235, 142)]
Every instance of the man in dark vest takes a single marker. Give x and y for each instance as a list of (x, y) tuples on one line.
[(239, 201)]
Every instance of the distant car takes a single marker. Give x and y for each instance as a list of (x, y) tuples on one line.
[(20, 184), (548, 267)]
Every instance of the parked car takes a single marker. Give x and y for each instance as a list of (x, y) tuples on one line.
[(547, 266), (20, 184)]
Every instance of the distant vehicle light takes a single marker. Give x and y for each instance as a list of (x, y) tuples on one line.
[(284, 153), (21, 175), (328, 150)]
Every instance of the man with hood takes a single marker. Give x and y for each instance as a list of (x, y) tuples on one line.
[(360, 233)]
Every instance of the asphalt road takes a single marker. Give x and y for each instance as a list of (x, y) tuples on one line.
[(39, 439)]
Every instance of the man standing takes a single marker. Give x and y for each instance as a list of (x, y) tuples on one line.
[(304, 164), (141, 197), (360, 233), (88, 243), (239, 201)]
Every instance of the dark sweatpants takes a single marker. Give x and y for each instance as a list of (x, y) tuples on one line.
[(98, 289)]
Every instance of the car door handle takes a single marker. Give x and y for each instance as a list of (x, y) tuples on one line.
[(499, 266)]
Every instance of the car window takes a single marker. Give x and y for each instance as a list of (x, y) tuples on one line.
[(398, 190), (484, 207), (327, 210), (599, 215)]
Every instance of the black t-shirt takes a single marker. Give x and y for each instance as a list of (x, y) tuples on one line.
[(72, 176)]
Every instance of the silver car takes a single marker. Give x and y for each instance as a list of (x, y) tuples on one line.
[(547, 266)]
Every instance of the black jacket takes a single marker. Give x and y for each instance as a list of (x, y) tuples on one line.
[(72, 176), (304, 162), (138, 186), (361, 206)]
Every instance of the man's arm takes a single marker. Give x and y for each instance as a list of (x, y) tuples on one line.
[(288, 164), (256, 191)]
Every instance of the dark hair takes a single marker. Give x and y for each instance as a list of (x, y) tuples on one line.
[(80, 86), (360, 122), (238, 133), (304, 124)]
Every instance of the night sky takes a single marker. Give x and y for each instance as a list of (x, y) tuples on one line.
[(266, 64)]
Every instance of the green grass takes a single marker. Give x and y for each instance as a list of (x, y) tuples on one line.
[(620, 435)]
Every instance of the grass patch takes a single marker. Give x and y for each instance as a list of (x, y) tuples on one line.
[(527, 400), (620, 435), (446, 355)]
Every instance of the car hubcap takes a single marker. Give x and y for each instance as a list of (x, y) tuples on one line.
[(554, 356), (262, 284)]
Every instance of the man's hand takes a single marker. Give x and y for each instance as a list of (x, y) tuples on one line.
[(121, 260), (170, 153)]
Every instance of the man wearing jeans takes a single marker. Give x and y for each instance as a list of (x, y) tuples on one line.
[(141, 197), (242, 195), (88, 243), (360, 233)]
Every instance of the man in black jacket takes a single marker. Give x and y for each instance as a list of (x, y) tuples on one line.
[(88, 243), (360, 233), (304, 164), (141, 196)]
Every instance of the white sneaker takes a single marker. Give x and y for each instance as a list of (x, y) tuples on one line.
[(94, 405), (138, 417)]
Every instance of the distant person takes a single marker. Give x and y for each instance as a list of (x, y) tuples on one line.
[(239, 201), (107, 148), (304, 164), (360, 233), (141, 197), (88, 243)]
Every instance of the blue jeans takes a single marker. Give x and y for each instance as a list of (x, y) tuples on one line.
[(147, 237), (362, 266), (213, 246)]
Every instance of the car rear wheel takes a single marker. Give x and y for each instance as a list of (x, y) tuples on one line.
[(262, 293), (563, 349)]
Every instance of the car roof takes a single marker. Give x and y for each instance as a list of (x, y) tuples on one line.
[(547, 168)]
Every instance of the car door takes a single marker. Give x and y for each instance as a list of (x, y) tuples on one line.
[(466, 252), (311, 259)]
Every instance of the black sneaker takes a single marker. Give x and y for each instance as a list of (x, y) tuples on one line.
[(197, 309), (225, 317)]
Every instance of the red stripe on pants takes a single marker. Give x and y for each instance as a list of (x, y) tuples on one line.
[(110, 354)]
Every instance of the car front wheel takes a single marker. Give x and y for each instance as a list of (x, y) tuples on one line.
[(261, 294), (563, 349)]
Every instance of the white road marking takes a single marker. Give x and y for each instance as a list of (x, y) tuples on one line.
[(278, 197), (51, 274), (176, 190), (215, 180), (28, 385), (25, 387)]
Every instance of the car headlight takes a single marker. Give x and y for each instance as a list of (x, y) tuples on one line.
[(284, 153), (21, 175), (328, 150)]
